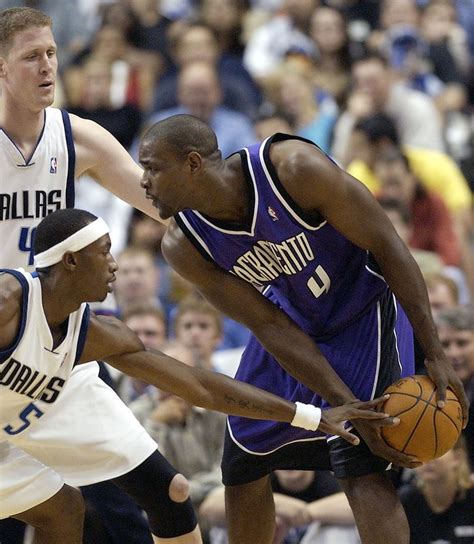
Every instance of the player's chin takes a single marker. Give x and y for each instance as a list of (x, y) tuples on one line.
[(165, 213)]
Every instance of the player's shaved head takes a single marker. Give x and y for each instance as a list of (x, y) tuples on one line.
[(182, 134)]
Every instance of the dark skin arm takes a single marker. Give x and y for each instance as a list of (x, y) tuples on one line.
[(110, 340), (351, 209)]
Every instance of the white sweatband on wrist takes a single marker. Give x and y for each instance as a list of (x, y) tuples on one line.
[(306, 416), (77, 241)]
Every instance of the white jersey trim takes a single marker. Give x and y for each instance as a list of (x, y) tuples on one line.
[(243, 448), (195, 234), (251, 232)]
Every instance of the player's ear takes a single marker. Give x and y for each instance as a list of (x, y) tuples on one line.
[(194, 161), (69, 260)]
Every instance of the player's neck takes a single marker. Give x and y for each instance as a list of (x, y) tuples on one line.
[(23, 126), (57, 301), (229, 199)]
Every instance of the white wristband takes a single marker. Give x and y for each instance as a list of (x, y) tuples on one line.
[(306, 416)]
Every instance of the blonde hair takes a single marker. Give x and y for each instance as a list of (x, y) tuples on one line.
[(196, 304), (16, 20)]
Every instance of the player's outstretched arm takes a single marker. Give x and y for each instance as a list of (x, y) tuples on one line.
[(110, 340), (295, 351), (101, 156)]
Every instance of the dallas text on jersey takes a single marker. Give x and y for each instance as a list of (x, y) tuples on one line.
[(22, 379), (29, 204)]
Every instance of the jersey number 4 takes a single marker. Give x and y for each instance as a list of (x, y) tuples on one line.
[(319, 282), (25, 243)]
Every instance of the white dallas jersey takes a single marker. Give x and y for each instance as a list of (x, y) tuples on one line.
[(32, 372), (31, 188)]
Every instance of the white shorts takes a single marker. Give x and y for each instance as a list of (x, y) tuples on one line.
[(87, 436)]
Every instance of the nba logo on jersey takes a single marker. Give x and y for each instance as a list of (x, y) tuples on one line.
[(272, 213), (53, 165)]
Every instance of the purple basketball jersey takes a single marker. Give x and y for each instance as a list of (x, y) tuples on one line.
[(331, 288), (319, 278)]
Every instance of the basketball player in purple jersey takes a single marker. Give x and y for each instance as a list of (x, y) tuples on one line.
[(282, 240)]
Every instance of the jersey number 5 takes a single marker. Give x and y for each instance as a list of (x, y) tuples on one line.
[(24, 416)]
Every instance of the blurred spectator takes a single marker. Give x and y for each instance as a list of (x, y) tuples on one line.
[(436, 170), (137, 279), (362, 15), (285, 32), (297, 99), (117, 14), (200, 94), (440, 25), (309, 508), (439, 504), (414, 49), (96, 103), (333, 57), (443, 292), (416, 117), (198, 327), (148, 322), (198, 42), (267, 125), (394, 13), (216, 341), (456, 333), (225, 17), (401, 218), (149, 28), (143, 231), (432, 224), (466, 19), (134, 71)]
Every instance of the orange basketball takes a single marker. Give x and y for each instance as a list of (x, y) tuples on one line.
[(424, 430)]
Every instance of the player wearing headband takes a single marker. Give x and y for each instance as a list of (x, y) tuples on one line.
[(43, 150), (46, 314)]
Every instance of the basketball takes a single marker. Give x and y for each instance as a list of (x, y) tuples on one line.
[(425, 430)]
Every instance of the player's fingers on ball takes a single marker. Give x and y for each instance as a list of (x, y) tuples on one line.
[(441, 396), (368, 414), (351, 438), (390, 421), (375, 402)]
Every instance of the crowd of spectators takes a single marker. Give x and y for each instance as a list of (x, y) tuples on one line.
[(387, 89)]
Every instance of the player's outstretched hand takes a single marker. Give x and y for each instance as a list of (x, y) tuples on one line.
[(333, 419)]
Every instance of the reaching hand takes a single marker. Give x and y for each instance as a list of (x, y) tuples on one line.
[(333, 419), (443, 375)]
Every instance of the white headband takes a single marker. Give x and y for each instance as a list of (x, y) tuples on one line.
[(79, 240)]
